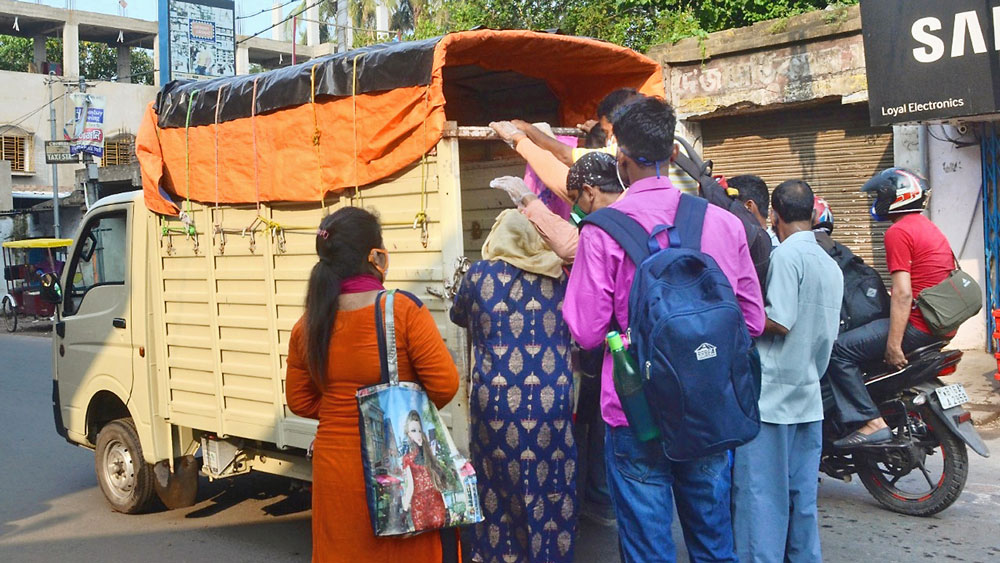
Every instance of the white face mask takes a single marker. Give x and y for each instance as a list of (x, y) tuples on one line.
[(618, 172)]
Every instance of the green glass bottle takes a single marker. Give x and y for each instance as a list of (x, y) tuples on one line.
[(628, 386)]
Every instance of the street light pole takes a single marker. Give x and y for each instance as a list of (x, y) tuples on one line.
[(55, 167)]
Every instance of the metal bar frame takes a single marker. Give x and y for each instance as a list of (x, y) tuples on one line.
[(991, 226)]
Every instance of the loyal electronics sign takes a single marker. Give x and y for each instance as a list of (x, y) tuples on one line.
[(88, 131), (197, 39), (931, 59)]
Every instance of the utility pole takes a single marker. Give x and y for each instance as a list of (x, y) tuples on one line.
[(88, 159), (55, 167)]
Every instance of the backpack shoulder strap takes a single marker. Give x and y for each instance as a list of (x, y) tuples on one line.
[(626, 231), (690, 221)]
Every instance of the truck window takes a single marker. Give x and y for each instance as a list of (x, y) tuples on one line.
[(99, 258)]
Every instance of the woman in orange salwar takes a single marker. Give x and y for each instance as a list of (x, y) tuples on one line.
[(333, 351)]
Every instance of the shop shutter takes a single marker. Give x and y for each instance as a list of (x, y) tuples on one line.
[(830, 146)]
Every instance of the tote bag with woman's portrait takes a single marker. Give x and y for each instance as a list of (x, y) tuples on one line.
[(415, 477)]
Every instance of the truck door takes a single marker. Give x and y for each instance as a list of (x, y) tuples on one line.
[(94, 345)]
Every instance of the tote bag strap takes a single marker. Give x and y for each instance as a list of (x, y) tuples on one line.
[(385, 326)]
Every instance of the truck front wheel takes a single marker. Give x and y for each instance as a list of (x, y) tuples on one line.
[(125, 479)]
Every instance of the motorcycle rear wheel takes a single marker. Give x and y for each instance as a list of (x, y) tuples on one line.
[(877, 476)]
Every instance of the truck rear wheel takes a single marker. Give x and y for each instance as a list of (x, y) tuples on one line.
[(125, 479)]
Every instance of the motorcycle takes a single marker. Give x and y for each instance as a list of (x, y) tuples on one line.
[(923, 469)]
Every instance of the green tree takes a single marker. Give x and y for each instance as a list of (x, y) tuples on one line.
[(634, 23), (98, 61)]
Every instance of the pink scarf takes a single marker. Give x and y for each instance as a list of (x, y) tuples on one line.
[(360, 284)]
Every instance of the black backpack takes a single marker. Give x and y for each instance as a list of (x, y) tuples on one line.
[(758, 241), (865, 296)]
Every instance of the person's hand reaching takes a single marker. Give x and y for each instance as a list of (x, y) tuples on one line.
[(515, 187), (586, 126), (507, 131)]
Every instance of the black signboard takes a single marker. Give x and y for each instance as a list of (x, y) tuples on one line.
[(931, 59)]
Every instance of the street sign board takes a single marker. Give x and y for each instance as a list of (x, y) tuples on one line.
[(88, 131), (930, 60), (57, 152)]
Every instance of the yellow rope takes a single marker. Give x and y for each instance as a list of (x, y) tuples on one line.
[(316, 137), (354, 102)]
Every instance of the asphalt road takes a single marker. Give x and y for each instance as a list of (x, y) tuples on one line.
[(52, 510)]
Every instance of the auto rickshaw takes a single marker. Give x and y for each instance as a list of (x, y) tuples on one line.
[(24, 264)]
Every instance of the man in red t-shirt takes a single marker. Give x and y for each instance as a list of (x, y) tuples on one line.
[(918, 256)]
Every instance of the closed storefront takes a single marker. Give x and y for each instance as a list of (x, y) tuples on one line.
[(830, 146)]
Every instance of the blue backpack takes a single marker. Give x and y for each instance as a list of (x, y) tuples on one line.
[(688, 333)]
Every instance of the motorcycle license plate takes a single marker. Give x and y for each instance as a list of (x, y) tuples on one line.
[(952, 395)]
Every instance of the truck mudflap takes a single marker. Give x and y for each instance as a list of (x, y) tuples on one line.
[(57, 411), (956, 419), (177, 488)]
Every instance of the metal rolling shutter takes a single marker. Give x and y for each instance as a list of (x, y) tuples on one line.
[(830, 146)]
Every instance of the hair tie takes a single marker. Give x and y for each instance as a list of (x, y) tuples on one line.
[(323, 233)]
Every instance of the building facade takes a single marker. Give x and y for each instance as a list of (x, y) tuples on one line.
[(788, 99)]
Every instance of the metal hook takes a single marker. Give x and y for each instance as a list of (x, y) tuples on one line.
[(218, 231), (170, 244), (280, 235)]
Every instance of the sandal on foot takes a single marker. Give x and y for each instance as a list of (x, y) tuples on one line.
[(857, 438)]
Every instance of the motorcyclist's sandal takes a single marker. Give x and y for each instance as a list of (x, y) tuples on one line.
[(857, 438)]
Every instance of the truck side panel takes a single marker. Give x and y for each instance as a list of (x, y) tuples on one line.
[(226, 311)]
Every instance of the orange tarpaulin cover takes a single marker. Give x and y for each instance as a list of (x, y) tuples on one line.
[(301, 146)]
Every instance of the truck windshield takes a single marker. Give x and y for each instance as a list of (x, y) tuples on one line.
[(99, 259)]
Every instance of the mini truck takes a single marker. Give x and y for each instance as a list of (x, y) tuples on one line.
[(176, 304)]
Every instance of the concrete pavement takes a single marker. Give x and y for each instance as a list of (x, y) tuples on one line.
[(51, 508)]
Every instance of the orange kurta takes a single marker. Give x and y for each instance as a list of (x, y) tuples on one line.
[(340, 522)]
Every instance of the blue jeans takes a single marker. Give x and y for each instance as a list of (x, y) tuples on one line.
[(644, 486), (774, 494)]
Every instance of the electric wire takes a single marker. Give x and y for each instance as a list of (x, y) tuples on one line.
[(29, 115), (294, 15), (265, 10)]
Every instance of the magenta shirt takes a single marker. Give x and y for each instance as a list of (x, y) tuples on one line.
[(602, 274)]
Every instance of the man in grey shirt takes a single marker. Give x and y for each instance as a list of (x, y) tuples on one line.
[(774, 476)]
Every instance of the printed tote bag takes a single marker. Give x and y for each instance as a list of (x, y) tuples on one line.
[(415, 477)]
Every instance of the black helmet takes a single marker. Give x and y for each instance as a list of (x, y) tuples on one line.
[(897, 190)]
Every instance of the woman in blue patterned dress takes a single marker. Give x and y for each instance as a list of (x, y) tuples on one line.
[(522, 397)]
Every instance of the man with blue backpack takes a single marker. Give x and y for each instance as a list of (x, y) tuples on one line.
[(675, 275)]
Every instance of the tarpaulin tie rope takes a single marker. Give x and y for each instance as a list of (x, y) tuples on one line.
[(316, 138), (421, 219), (253, 129), (354, 103), (217, 223), (188, 218)]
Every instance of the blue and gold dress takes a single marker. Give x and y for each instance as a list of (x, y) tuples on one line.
[(521, 413)]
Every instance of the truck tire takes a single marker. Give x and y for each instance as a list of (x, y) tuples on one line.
[(125, 479)]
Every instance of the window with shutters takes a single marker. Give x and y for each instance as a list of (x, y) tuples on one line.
[(119, 150), (15, 146)]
